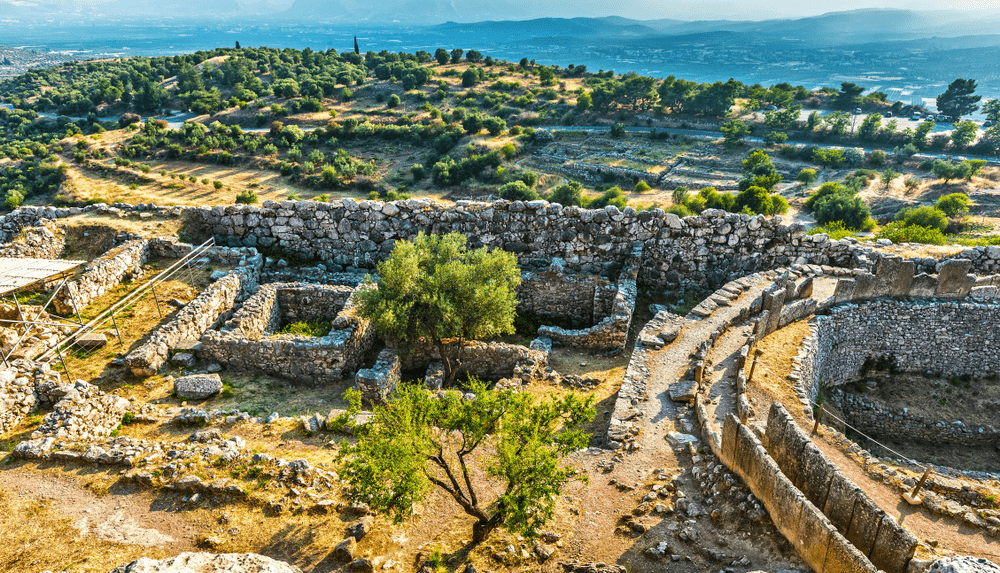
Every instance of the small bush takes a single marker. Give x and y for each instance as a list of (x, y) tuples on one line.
[(900, 232), (953, 205), (247, 197), (518, 191), (307, 328), (642, 187), (929, 217), (217, 184)]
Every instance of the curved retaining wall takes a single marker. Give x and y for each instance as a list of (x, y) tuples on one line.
[(954, 338)]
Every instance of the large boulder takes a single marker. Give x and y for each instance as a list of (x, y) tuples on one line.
[(197, 386), (964, 564), (209, 563)]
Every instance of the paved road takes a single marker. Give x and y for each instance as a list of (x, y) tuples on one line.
[(717, 135)]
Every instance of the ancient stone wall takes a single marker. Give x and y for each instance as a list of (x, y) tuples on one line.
[(814, 536), (487, 360), (954, 338), (102, 275), (23, 387), (612, 330), (859, 519), (37, 242), (879, 419), (247, 340), (201, 313)]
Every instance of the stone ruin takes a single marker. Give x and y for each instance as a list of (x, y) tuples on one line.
[(249, 340), (584, 268)]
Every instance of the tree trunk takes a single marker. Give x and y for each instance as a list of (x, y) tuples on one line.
[(482, 529)]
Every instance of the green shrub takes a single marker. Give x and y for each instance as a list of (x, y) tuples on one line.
[(925, 216), (900, 232), (641, 187), (247, 197), (569, 194), (518, 191), (836, 230), (307, 328), (217, 184), (806, 176), (614, 196), (953, 205)]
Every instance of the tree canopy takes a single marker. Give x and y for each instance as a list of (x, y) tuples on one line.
[(959, 99), (434, 289), (418, 439)]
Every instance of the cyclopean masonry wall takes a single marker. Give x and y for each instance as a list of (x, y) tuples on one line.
[(201, 313), (247, 339), (555, 293), (878, 419), (102, 275), (955, 337), (347, 235)]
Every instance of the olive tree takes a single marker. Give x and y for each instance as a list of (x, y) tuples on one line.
[(435, 290), (502, 438)]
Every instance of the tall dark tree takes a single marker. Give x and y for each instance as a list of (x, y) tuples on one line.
[(357, 50), (959, 99), (237, 44), (849, 96), (441, 55)]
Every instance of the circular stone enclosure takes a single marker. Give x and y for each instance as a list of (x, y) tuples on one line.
[(919, 376)]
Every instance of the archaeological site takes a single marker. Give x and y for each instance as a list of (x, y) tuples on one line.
[(762, 399)]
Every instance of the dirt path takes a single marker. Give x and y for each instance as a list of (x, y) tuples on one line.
[(778, 350), (717, 545), (123, 516)]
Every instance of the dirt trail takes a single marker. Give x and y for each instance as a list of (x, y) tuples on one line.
[(778, 350), (124, 516)]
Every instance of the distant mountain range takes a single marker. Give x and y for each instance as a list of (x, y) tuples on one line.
[(496, 20)]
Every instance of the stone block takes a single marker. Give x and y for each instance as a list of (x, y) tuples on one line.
[(894, 546), (683, 391), (92, 341), (805, 288), (817, 471), (379, 382), (843, 557), (844, 291), (865, 524), (197, 386), (840, 502), (954, 278), (923, 286), (904, 279), (865, 286), (887, 272), (344, 551), (989, 292), (813, 537), (183, 359)]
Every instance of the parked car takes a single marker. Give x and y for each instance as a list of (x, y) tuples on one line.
[(857, 111), (770, 108), (915, 117), (987, 123)]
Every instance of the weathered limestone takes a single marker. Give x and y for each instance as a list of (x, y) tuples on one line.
[(377, 383), (248, 339), (197, 386), (102, 275), (208, 563), (199, 314)]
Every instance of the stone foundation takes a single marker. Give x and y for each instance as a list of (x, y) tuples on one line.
[(247, 340), (102, 275), (201, 313)]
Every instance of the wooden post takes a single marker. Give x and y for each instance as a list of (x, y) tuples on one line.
[(819, 417), (753, 365), (913, 497)]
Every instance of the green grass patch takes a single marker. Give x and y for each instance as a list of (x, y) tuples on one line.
[(307, 328)]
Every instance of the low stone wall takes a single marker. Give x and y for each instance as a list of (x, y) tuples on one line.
[(487, 360), (82, 413), (859, 519), (23, 387), (379, 382), (246, 340), (575, 298), (102, 275), (927, 336), (200, 314), (878, 419), (36, 242), (813, 535)]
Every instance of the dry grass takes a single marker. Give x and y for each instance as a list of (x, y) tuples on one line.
[(38, 537)]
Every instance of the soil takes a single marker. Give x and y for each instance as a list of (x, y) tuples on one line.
[(947, 533), (974, 403)]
